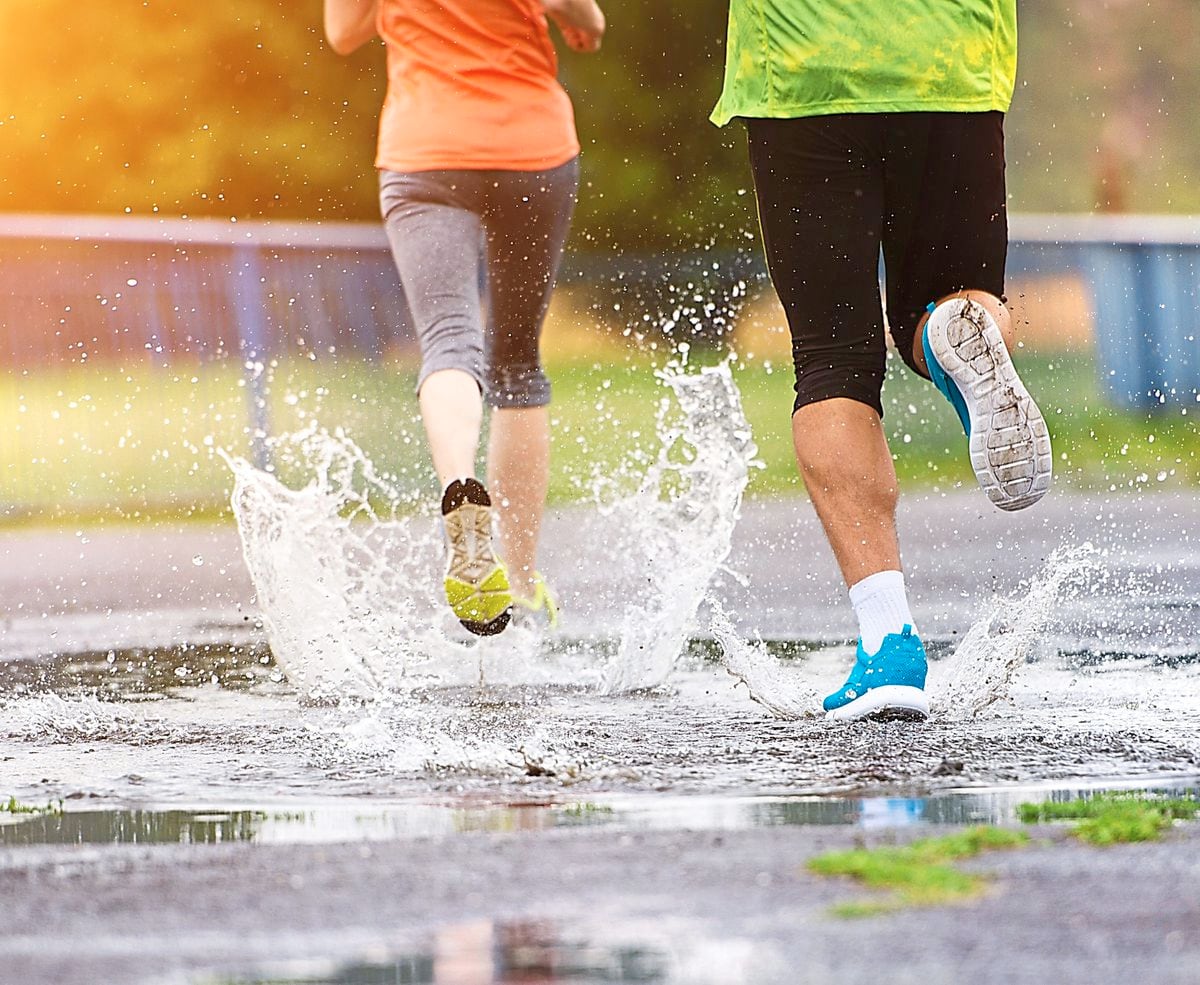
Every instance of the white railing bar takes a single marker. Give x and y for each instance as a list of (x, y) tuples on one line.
[(199, 232), (1166, 230), (1145, 230)]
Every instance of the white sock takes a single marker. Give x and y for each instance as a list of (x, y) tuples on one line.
[(881, 605)]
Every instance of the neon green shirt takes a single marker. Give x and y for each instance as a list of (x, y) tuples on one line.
[(787, 58)]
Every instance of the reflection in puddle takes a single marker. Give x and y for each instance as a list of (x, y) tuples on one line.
[(363, 822), (524, 952)]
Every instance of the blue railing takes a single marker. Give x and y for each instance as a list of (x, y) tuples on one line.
[(74, 287), (1144, 277)]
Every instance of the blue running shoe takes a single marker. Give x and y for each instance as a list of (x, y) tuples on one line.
[(890, 684), (1009, 441)]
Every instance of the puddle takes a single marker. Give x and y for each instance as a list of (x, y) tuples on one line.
[(144, 672), (338, 822), (487, 952), (140, 673), (147, 672), (1063, 653)]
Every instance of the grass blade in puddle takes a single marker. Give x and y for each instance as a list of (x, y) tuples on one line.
[(1109, 819)]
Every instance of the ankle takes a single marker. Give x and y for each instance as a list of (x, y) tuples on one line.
[(523, 584), (881, 603)]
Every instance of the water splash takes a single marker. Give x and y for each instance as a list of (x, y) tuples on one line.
[(983, 667), (412, 737), (775, 688), (981, 671), (341, 577), (346, 582), (48, 717), (678, 527)]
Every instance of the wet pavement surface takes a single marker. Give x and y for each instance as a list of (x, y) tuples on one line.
[(588, 906), (500, 819)]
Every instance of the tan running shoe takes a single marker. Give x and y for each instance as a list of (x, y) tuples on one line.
[(476, 582)]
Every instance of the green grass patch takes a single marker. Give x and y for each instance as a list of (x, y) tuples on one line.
[(1112, 818), (107, 441), (919, 874), (14, 806)]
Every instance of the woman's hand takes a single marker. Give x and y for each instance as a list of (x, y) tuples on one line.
[(581, 22), (349, 24)]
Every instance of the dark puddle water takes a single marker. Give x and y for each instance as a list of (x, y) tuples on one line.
[(57, 824), (133, 673), (141, 673)]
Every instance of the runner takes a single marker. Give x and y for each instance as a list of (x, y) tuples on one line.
[(880, 125), (478, 157)]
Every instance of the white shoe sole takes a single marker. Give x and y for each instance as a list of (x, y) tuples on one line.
[(891, 701), (1010, 445)]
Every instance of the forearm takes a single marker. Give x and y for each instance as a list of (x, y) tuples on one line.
[(581, 22), (584, 14), (349, 24)]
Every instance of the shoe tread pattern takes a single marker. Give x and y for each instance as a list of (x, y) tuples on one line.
[(1010, 443)]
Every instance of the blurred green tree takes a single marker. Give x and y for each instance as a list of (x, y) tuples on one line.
[(171, 107), (241, 110)]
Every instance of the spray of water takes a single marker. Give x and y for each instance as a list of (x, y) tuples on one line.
[(767, 681), (342, 578), (345, 567), (984, 665), (678, 527), (979, 673)]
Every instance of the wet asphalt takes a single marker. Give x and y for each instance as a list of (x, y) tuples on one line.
[(780, 579), (729, 907), (591, 905)]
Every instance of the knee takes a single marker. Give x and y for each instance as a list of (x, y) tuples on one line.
[(452, 343), (842, 452), (839, 474)]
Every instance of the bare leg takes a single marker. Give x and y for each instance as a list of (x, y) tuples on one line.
[(989, 302), (845, 463), (452, 409), (518, 475)]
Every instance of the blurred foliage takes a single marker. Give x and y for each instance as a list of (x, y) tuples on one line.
[(182, 109), (241, 110), (1104, 109)]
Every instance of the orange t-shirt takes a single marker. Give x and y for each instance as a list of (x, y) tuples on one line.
[(472, 84)]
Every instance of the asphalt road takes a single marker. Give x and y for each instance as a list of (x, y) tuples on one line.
[(590, 905), (702, 908), (94, 586)]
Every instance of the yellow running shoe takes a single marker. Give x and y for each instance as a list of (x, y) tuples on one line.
[(542, 600), (476, 582)]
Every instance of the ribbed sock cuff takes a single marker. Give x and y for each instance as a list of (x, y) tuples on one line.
[(881, 604)]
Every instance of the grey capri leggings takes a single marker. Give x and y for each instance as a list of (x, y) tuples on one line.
[(439, 224)]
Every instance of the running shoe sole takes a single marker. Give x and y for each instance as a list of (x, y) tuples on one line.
[(1009, 445), (888, 702), (476, 583)]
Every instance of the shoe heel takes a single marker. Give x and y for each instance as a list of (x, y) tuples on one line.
[(492, 628)]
